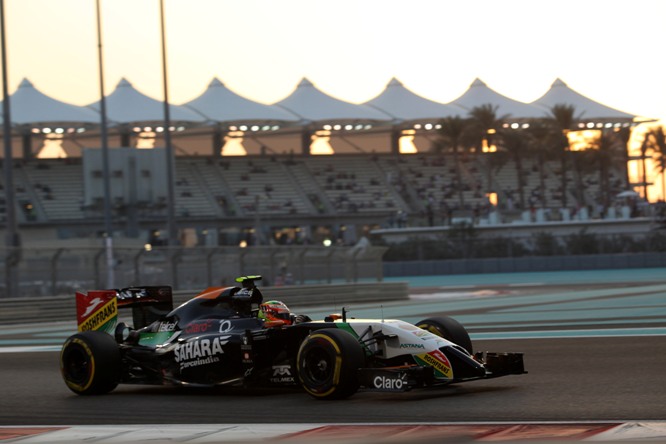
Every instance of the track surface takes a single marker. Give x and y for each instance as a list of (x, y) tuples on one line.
[(569, 379), (590, 377)]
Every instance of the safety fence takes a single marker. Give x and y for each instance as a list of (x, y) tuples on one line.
[(57, 271)]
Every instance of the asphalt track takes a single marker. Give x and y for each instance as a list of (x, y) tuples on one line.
[(569, 380), (597, 374)]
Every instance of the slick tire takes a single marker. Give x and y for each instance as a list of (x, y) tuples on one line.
[(90, 363), (328, 362), (449, 329)]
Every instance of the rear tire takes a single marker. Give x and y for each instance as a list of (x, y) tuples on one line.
[(449, 329), (328, 362), (90, 363)]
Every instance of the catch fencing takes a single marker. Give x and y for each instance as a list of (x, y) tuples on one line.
[(58, 271)]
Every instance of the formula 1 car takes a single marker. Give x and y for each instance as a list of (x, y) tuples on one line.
[(221, 338)]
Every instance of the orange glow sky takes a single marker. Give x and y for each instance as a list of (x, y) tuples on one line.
[(609, 50)]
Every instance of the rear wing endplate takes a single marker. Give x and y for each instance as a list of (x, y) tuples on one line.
[(98, 309)]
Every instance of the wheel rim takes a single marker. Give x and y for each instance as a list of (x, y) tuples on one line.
[(77, 366), (318, 366)]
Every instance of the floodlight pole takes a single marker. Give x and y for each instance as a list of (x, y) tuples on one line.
[(108, 226), (171, 224), (12, 238)]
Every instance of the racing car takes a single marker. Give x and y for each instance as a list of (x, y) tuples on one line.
[(230, 336)]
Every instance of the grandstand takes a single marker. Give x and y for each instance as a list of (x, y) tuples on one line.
[(369, 181), (274, 192)]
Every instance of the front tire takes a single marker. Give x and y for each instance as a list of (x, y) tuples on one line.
[(449, 329), (90, 363), (328, 362)]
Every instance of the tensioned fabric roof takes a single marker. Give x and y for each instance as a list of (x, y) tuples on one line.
[(479, 94), (404, 105), (126, 105), (311, 104), (219, 104), (560, 94), (29, 106)]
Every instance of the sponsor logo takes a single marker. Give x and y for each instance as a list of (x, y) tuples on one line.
[(198, 362), (244, 292), (421, 333), (389, 383), (282, 374), (198, 327), (167, 326), (438, 361), (225, 326), (100, 317), (412, 346), (200, 351), (93, 304), (127, 293)]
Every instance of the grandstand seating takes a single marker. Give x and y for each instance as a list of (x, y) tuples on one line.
[(353, 184), (213, 188), (57, 186), (259, 185)]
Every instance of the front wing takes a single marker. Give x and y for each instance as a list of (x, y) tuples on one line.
[(405, 378)]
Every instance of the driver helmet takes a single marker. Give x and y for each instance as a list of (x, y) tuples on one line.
[(275, 311)]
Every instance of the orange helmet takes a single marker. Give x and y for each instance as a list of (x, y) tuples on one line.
[(275, 311)]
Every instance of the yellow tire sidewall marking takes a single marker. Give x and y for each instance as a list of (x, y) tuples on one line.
[(91, 358), (338, 365)]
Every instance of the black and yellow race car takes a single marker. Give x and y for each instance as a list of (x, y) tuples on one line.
[(231, 336)]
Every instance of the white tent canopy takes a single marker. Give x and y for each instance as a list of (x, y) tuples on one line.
[(126, 105), (403, 105), (560, 94), (479, 94), (311, 104), (219, 104), (29, 106)]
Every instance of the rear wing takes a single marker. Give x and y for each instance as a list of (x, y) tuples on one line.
[(98, 309)]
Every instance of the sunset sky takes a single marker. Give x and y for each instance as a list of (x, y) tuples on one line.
[(610, 50)]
